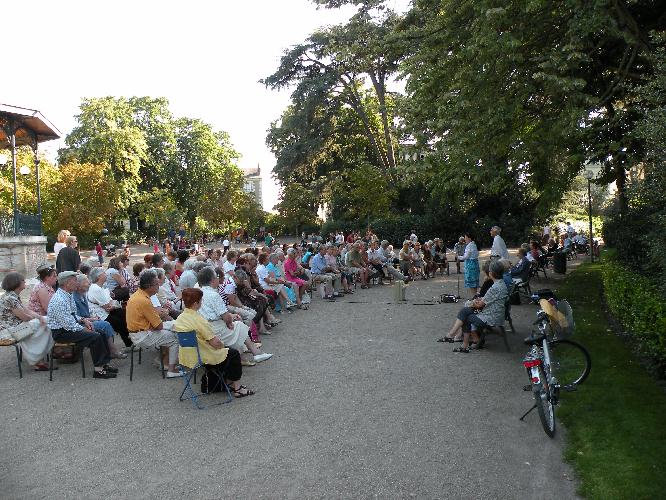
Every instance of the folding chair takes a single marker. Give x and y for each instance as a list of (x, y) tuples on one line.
[(499, 330), (189, 340), (19, 352)]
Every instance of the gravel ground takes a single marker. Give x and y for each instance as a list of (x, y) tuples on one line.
[(358, 401)]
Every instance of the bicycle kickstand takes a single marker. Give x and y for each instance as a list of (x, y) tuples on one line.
[(528, 412)]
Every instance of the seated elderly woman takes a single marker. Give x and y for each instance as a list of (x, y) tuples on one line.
[(189, 277), (491, 307), (520, 272), (133, 281), (227, 290), (407, 260), (249, 297), (115, 281), (213, 352), (164, 301), (228, 327), (293, 272), (429, 260), (104, 307), (41, 293), (15, 318), (355, 264), (170, 287), (269, 282), (419, 260)]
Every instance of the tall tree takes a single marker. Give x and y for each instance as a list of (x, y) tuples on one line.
[(339, 61)]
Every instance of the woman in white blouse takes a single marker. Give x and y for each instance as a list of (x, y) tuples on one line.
[(104, 307), (471, 259)]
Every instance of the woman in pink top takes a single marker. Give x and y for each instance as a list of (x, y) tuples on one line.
[(292, 272), (41, 294)]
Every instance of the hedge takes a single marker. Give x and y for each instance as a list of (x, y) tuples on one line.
[(638, 306)]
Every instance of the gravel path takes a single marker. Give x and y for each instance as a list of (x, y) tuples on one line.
[(359, 401)]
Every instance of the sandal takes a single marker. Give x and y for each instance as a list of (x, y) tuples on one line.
[(461, 349), (446, 339), (238, 393), (43, 367)]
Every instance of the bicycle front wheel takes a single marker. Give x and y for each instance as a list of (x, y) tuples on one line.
[(570, 361)]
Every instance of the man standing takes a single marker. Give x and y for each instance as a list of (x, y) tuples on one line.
[(498, 250), (67, 326)]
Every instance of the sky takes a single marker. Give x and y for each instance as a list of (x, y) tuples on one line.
[(205, 56)]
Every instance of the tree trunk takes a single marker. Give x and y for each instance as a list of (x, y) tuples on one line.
[(379, 83)]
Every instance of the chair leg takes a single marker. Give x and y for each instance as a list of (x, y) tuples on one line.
[(19, 358), (51, 365), (162, 364), (504, 338), (83, 363), (131, 362)]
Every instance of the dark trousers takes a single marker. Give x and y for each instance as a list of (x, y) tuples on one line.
[(231, 367), (468, 316), (380, 270), (118, 320), (260, 304), (99, 347)]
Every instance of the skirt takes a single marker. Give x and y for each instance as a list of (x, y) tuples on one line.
[(472, 273), (37, 345), (231, 338)]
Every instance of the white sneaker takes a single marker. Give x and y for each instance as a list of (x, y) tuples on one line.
[(258, 358), (173, 374)]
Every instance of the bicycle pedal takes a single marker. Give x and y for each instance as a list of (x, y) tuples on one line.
[(569, 388), (527, 388)]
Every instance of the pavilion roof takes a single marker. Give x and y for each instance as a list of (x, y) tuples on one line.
[(29, 123)]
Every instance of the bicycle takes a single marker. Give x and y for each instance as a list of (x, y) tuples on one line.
[(552, 352)]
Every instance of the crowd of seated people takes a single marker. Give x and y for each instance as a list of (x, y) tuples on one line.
[(230, 297)]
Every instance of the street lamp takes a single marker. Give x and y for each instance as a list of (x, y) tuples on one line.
[(589, 175)]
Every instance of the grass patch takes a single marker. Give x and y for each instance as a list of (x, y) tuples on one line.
[(615, 420)]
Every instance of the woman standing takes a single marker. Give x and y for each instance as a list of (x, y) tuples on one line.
[(471, 259), (60, 244), (13, 315)]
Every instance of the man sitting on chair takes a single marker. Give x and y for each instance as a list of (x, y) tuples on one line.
[(67, 326), (329, 282), (145, 325)]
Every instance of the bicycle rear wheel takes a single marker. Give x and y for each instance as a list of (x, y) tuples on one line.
[(544, 406), (570, 361)]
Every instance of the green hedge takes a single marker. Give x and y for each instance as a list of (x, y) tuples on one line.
[(638, 306)]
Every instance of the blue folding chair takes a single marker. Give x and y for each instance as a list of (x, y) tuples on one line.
[(189, 340)]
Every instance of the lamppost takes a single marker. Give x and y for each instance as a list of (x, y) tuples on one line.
[(589, 175)]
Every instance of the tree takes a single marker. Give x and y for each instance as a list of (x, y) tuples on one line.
[(337, 62), (158, 208), (296, 207), (205, 181), (81, 197)]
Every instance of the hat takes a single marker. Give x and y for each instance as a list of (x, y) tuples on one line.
[(43, 267), (64, 276)]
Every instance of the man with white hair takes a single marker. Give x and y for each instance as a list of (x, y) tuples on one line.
[(386, 257), (498, 250)]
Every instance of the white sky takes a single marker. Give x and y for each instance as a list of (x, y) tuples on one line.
[(205, 57)]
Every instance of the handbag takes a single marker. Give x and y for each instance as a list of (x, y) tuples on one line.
[(21, 331)]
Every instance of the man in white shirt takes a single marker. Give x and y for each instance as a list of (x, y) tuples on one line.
[(413, 238), (498, 250)]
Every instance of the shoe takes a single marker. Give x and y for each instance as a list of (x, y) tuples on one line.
[(173, 374), (110, 369), (104, 374), (257, 345), (330, 297), (337, 294), (247, 362), (258, 358), (119, 355)]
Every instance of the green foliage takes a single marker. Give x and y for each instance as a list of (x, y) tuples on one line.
[(615, 435), (296, 208), (638, 306)]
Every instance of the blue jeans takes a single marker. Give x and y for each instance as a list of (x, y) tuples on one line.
[(103, 327)]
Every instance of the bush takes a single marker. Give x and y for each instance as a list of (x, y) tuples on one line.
[(638, 306)]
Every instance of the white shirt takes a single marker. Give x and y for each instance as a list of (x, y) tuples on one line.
[(414, 238), (212, 305), (98, 297), (225, 243), (376, 255), (499, 247), (546, 230), (57, 247), (471, 252), (262, 274), (228, 267)]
